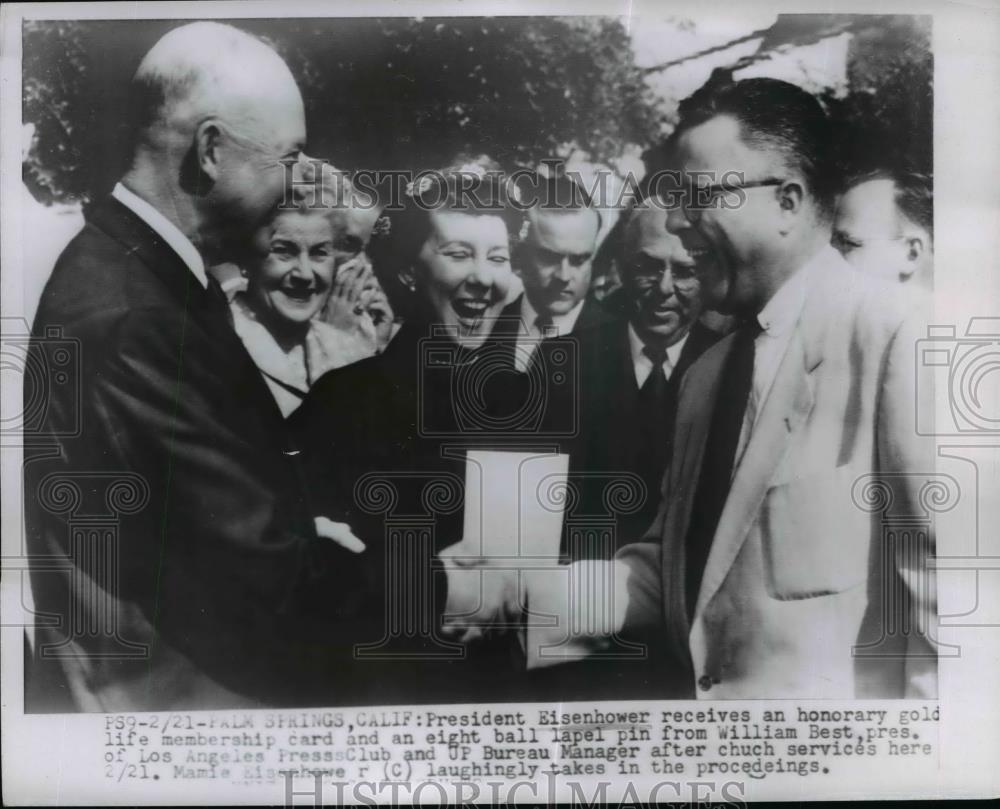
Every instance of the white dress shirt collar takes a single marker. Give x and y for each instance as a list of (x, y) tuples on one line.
[(165, 229), (644, 365), (529, 332)]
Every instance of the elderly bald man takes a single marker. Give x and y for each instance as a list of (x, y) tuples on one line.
[(165, 502)]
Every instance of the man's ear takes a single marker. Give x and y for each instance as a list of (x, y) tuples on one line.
[(790, 199), (915, 248), (207, 141)]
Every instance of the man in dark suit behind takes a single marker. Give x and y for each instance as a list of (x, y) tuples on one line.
[(629, 374), (189, 600), (554, 261), (630, 371)]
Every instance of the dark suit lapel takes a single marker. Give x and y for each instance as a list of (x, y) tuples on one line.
[(623, 368), (699, 341), (625, 393), (123, 225), (592, 316), (700, 338), (505, 332), (612, 378), (197, 304), (694, 415)]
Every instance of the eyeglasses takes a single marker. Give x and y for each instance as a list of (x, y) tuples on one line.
[(647, 272), (698, 198)]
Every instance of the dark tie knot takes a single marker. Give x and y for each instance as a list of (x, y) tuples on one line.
[(656, 355), (545, 326)]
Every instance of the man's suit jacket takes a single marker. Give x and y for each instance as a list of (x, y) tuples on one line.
[(614, 503), (807, 590), (612, 436), (166, 497), (593, 315)]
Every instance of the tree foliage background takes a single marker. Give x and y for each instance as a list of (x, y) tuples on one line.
[(408, 93), (888, 113), (380, 93)]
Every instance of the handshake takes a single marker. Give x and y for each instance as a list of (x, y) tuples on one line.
[(559, 612)]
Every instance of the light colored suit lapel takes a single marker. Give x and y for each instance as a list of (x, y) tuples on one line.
[(783, 412)]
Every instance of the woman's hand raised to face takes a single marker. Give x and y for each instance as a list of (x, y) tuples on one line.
[(345, 309), (381, 314)]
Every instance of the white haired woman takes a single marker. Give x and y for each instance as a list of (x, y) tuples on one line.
[(311, 300)]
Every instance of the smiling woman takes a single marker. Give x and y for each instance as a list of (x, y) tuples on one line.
[(296, 259), (401, 423), (449, 247)]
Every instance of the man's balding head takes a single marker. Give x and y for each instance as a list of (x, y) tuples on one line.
[(207, 69), (215, 112)]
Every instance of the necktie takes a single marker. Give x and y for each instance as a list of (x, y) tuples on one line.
[(544, 327), (656, 382), (717, 462), (544, 331)]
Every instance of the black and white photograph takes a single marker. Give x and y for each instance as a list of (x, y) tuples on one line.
[(597, 401)]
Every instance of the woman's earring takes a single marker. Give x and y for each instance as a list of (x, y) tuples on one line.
[(408, 279)]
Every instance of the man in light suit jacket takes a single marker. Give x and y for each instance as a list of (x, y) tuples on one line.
[(768, 571), (171, 546)]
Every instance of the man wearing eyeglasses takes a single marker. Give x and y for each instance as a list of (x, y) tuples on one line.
[(630, 371), (771, 571), (632, 367), (164, 425)]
